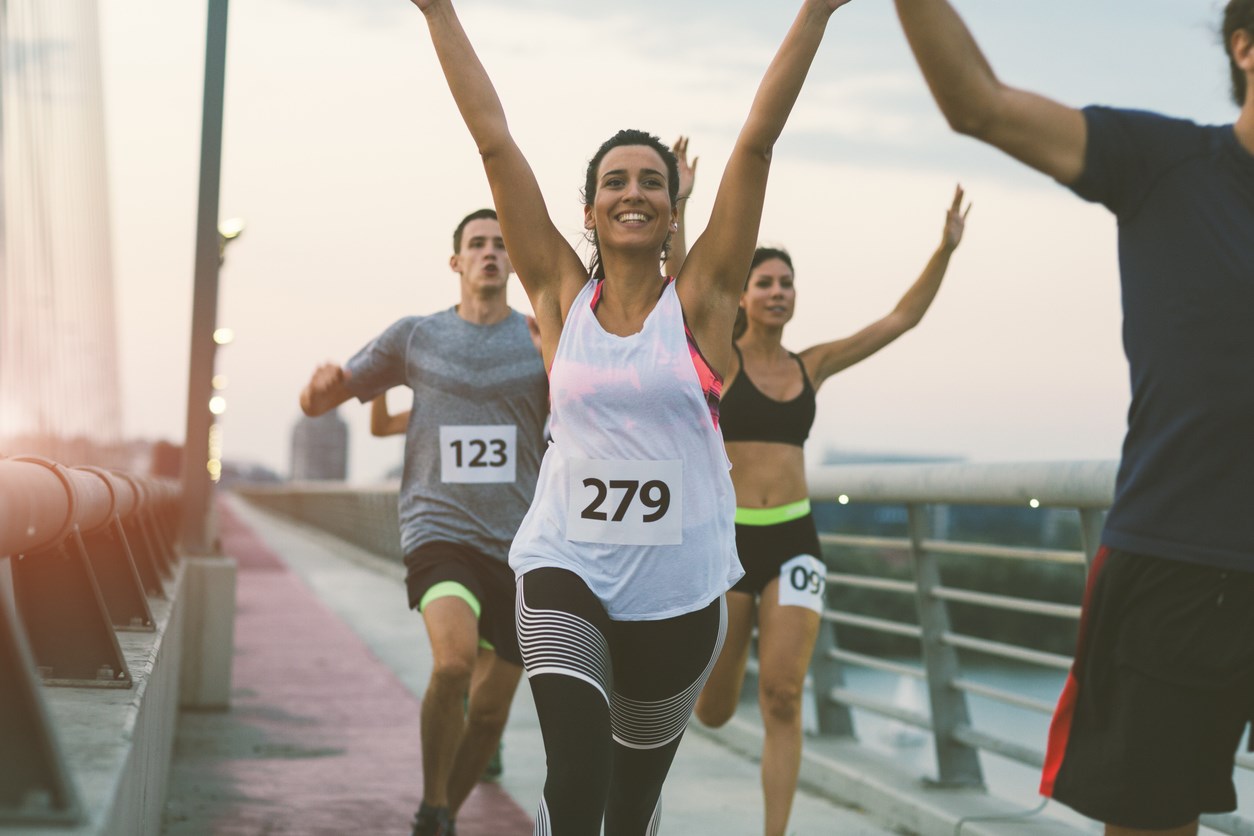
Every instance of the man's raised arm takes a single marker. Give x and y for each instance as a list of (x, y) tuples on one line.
[(1035, 130)]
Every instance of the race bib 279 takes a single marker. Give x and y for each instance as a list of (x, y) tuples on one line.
[(637, 503)]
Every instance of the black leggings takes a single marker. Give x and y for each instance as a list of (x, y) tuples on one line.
[(613, 698)]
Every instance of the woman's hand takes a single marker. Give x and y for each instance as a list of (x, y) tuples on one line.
[(687, 171), (955, 222)]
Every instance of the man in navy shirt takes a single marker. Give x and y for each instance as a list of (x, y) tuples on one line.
[(1162, 688)]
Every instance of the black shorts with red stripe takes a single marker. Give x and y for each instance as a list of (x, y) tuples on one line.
[(1162, 688)]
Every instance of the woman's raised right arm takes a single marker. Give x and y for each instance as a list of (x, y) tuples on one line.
[(545, 262)]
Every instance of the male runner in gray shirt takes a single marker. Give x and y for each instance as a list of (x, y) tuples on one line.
[(472, 450)]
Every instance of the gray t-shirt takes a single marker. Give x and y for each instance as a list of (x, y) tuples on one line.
[(476, 430)]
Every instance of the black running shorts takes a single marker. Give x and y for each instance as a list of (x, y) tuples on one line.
[(486, 584), (1162, 688)]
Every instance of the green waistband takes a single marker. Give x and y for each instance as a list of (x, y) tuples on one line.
[(773, 516)]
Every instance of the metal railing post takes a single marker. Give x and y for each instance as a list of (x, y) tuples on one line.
[(35, 783), (65, 618), (1091, 522), (957, 764), (833, 718)]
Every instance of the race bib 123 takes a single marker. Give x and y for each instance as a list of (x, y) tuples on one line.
[(478, 454)]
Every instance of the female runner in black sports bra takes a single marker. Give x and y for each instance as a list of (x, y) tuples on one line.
[(766, 413)]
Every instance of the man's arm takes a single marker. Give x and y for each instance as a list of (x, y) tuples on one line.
[(1046, 135), (384, 423), (325, 391)]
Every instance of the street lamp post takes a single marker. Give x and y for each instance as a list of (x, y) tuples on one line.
[(195, 536)]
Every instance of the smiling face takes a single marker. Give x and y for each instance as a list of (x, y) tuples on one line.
[(631, 208), (482, 261), (770, 297)]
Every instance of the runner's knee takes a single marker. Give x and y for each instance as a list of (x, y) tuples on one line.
[(453, 674), (714, 711), (487, 717), (780, 701)]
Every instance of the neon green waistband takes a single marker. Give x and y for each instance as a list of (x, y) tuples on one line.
[(773, 516)]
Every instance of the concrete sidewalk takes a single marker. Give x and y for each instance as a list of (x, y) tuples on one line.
[(323, 735)]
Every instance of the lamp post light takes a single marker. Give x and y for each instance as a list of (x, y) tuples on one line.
[(195, 537), (228, 231)]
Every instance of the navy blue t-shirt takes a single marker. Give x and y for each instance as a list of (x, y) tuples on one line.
[(1184, 197)]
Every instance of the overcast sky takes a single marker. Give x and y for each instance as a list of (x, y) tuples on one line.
[(346, 157)]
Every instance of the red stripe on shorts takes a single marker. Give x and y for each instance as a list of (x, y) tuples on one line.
[(1060, 725)]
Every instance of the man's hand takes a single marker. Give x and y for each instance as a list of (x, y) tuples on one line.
[(324, 391)]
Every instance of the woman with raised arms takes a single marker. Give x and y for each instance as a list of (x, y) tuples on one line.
[(627, 551), (768, 409)]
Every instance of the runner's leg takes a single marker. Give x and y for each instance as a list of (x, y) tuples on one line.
[(491, 691), (562, 631), (721, 694), (786, 636), (659, 670), (452, 629)]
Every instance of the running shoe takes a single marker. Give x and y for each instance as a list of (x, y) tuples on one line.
[(433, 821)]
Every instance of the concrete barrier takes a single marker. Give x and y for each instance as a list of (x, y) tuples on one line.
[(365, 517), (209, 604)]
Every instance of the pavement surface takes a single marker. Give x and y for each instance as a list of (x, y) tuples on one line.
[(322, 737)]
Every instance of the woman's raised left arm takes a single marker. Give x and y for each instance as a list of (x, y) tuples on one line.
[(713, 275)]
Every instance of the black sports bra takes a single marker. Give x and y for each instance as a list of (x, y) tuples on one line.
[(745, 414)]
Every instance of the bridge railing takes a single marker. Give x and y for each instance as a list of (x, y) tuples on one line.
[(928, 494), (910, 559), (81, 551)]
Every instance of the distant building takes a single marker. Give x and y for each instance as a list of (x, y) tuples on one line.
[(236, 473), (320, 448), (166, 460)]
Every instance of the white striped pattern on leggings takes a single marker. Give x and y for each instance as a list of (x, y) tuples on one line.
[(552, 641), (644, 724)]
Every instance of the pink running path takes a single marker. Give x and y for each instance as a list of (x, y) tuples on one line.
[(322, 738)]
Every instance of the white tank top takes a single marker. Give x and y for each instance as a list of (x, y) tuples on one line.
[(634, 494)]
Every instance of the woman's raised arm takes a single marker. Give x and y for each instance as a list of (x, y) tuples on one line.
[(713, 277), (542, 258), (824, 360)]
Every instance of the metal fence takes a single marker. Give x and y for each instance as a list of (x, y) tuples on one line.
[(927, 493)]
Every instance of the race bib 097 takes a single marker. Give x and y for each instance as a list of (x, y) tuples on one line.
[(478, 454), (633, 503), (802, 582)]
